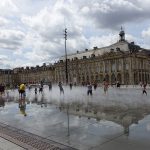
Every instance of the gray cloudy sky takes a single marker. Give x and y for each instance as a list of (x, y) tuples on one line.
[(31, 31)]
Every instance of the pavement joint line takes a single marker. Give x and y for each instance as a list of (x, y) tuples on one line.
[(109, 140), (22, 139)]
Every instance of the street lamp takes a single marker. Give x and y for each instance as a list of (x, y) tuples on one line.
[(66, 68), (66, 64)]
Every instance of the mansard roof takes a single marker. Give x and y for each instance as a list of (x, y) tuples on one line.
[(123, 46)]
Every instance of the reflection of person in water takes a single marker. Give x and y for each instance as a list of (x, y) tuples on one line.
[(43, 102), (50, 86), (2, 102), (35, 90), (22, 106), (126, 131)]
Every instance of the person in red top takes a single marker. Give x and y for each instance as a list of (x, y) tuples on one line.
[(106, 84)]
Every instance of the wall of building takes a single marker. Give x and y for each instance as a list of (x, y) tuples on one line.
[(125, 67)]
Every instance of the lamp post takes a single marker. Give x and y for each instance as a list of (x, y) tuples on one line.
[(66, 69)]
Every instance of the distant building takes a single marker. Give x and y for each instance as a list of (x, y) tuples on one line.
[(29, 75), (122, 61), (6, 76)]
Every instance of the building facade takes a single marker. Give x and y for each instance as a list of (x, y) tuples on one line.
[(122, 61), (29, 75), (5, 76)]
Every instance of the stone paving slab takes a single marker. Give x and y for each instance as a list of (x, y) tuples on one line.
[(7, 145), (28, 140)]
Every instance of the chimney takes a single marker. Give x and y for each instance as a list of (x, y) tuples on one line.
[(95, 48)]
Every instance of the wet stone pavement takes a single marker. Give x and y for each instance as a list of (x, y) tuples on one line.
[(28, 140), (119, 120)]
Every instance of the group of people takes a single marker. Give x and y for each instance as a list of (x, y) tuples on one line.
[(106, 86), (89, 87)]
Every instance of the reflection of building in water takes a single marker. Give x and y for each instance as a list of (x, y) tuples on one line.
[(40, 100), (117, 114), (35, 99), (22, 107)]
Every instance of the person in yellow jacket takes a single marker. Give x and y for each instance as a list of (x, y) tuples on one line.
[(22, 88)]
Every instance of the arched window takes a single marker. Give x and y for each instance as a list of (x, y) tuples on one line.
[(113, 79), (107, 78), (126, 78), (106, 66), (113, 66), (119, 77), (101, 78)]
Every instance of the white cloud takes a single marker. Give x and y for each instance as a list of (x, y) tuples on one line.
[(146, 33), (34, 29), (3, 21), (106, 40), (111, 14), (47, 32), (7, 7), (11, 39)]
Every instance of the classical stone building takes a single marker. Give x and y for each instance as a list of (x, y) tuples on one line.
[(34, 74), (122, 61), (44, 73), (5, 76)]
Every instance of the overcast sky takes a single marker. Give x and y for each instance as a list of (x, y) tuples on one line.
[(31, 31)]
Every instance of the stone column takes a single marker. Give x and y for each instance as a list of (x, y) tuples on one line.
[(122, 70), (109, 72), (103, 69), (131, 78)]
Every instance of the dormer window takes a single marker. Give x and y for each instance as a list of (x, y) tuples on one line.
[(95, 48), (117, 49), (93, 55), (84, 57), (112, 50)]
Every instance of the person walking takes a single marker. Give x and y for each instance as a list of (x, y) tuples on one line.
[(22, 90), (41, 89), (50, 86), (61, 88), (70, 86), (106, 87), (144, 88), (35, 90), (95, 86), (89, 91), (2, 89)]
